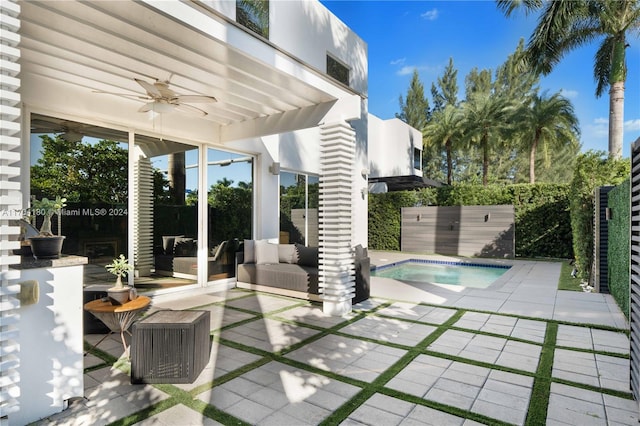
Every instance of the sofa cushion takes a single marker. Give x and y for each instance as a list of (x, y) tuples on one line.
[(168, 242), (283, 275), (307, 256), (249, 251), (361, 252), (266, 253), (185, 246), (287, 253)]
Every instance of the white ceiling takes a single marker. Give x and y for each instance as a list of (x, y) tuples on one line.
[(104, 45)]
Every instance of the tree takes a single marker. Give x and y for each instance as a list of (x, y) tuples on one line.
[(549, 122), (485, 116), (82, 171), (230, 210), (415, 111), (446, 92), (445, 130), (565, 25)]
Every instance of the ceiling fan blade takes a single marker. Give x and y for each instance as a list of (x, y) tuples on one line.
[(150, 88), (190, 109), (146, 107), (196, 99), (125, 95)]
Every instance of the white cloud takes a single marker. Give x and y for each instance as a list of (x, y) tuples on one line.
[(399, 61), (599, 128), (430, 15), (406, 70), (569, 94), (632, 125)]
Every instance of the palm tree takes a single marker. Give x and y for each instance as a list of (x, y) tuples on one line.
[(549, 122), (444, 130), (568, 24), (486, 118)]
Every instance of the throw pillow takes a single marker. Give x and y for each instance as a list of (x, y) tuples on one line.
[(184, 247), (307, 256), (168, 242), (287, 253), (266, 253), (249, 251)]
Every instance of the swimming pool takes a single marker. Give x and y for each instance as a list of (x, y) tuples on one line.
[(442, 272)]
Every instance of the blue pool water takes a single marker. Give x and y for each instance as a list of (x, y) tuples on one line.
[(438, 272)]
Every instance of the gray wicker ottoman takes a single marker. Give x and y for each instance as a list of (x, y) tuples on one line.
[(170, 347)]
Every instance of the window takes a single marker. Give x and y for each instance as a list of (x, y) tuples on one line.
[(299, 208), (417, 159), (254, 15), (337, 70)]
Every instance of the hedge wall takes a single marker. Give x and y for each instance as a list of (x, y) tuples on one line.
[(593, 169), (618, 250), (541, 213)]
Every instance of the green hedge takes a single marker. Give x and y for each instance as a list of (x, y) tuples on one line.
[(618, 250), (385, 218), (593, 169), (541, 214)]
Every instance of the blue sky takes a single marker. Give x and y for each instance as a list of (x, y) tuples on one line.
[(423, 35)]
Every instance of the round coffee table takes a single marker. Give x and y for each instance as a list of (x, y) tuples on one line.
[(117, 317)]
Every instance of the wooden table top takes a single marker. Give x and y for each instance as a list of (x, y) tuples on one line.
[(99, 306)]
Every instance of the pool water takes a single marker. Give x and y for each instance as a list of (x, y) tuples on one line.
[(451, 273)]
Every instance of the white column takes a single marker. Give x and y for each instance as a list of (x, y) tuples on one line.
[(336, 266), (143, 231), (10, 204)]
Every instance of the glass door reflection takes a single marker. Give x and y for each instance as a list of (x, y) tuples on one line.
[(230, 202)]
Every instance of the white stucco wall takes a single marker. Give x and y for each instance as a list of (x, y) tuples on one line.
[(309, 31), (391, 144)]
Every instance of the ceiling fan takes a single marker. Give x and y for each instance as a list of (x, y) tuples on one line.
[(160, 98)]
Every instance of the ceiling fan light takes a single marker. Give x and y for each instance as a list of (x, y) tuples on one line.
[(162, 107)]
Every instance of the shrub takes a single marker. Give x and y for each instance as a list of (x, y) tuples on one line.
[(541, 214), (593, 169), (618, 245)]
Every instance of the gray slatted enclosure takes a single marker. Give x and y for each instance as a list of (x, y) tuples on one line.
[(600, 275), (634, 293), (487, 231)]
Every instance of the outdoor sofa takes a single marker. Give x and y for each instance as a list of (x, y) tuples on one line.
[(291, 270), (178, 258)]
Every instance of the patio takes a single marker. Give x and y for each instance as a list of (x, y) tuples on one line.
[(518, 352)]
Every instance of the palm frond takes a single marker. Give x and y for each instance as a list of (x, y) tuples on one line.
[(508, 7), (602, 65)]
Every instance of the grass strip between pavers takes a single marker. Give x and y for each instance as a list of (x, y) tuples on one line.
[(539, 399), (343, 412)]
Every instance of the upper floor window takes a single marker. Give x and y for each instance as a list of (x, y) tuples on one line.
[(337, 70), (254, 15), (417, 159)]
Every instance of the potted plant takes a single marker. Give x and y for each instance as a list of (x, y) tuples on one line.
[(46, 245), (120, 267)]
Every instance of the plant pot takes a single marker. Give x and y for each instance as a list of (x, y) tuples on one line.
[(46, 247), (118, 295)]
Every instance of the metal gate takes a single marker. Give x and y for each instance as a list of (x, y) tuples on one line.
[(600, 275), (634, 303)]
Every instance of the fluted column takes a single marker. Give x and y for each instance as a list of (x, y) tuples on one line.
[(336, 263), (10, 205)]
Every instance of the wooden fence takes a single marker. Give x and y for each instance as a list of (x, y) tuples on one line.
[(487, 231)]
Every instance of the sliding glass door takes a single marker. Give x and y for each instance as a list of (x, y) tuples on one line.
[(229, 207), (299, 208)]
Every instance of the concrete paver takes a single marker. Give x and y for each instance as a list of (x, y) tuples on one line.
[(313, 364)]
